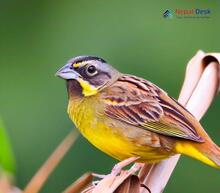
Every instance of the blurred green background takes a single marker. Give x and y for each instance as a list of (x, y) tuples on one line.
[(38, 37)]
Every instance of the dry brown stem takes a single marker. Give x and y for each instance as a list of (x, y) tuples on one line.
[(80, 184), (46, 169), (199, 88)]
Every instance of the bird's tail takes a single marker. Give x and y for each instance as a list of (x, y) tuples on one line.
[(207, 152)]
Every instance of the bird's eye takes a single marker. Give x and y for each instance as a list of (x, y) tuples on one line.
[(91, 70)]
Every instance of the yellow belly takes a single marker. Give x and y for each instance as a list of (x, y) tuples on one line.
[(109, 140)]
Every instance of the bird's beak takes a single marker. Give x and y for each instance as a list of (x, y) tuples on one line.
[(67, 73)]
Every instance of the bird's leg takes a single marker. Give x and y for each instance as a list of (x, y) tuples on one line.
[(119, 166), (116, 170)]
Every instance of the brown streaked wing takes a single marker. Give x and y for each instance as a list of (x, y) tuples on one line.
[(140, 103)]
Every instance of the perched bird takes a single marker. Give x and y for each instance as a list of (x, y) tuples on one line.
[(127, 116)]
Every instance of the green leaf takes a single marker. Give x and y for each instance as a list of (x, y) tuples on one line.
[(7, 161)]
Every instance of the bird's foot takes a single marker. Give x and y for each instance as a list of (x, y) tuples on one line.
[(117, 175), (117, 169)]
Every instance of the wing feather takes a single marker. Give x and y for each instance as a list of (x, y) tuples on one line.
[(140, 103)]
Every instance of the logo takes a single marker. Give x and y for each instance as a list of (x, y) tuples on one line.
[(188, 13), (167, 14)]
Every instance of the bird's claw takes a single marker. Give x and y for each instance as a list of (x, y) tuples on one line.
[(119, 166)]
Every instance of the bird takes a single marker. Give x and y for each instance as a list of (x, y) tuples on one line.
[(127, 116)]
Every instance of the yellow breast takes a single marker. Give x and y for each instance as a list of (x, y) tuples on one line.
[(84, 113)]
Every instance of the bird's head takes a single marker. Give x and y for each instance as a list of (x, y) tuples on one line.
[(89, 74)]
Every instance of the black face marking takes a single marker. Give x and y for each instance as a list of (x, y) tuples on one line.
[(74, 88), (93, 73), (99, 79), (93, 70)]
